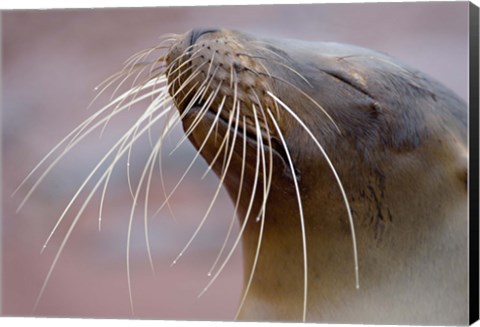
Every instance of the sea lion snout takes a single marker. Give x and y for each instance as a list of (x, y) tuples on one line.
[(214, 70)]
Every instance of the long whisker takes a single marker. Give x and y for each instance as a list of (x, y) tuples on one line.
[(237, 202), (126, 95), (65, 139), (163, 95), (332, 168), (150, 161), (177, 72), (130, 71), (219, 187), (141, 53), (171, 121), (170, 71), (303, 93), (198, 118), (219, 151), (134, 94), (235, 99), (100, 163), (245, 221), (105, 85), (270, 153), (197, 154), (156, 150), (300, 210), (262, 211), (104, 191), (194, 99), (77, 217), (66, 150), (127, 66)]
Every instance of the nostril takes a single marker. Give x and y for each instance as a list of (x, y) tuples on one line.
[(199, 32)]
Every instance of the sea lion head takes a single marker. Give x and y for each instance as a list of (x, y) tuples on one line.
[(333, 110)]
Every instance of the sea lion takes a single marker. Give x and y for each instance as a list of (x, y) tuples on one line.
[(307, 112), (347, 169)]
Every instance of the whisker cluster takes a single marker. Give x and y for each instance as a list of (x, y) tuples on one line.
[(167, 85)]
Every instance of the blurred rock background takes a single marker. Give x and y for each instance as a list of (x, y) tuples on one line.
[(53, 59)]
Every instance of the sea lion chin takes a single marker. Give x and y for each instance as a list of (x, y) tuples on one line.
[(339, 158)]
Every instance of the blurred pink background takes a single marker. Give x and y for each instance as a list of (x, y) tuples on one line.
[(53, 59)]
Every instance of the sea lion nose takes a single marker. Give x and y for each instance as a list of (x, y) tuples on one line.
[(196, 33)]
